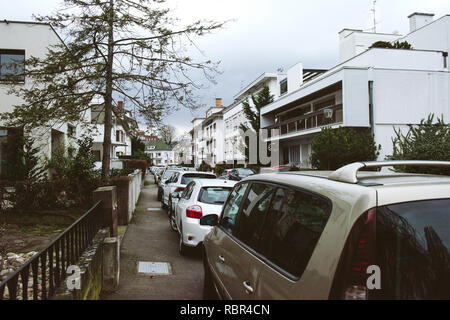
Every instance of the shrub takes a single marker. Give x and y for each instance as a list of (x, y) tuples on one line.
[(395, 45), (137, 164), (427, 141), (334, 148), (204, 167)]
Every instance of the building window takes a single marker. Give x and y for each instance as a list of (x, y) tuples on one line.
[(96, 154), (283, 86), (12, 65), (71, 131)]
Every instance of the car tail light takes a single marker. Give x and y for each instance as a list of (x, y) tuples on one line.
[(359, 253), (179, 189), (194, 212)]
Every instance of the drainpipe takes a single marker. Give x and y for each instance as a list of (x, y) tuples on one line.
[(371, 120), (445, 55)]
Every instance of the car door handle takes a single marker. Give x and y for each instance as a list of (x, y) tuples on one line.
[(248, 287), (222, 259)]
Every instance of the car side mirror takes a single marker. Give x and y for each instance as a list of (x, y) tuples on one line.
[(210, 220), (176, 195)]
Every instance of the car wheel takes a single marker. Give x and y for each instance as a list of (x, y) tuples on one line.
[(163, 205), (172, 222), (182, 249), (209, 292), (159, 194)]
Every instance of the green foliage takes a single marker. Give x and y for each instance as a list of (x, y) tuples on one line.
[(141, 155), (427, 141), (334, 148), (136, 145), (204, 167), (395, 45), (73, 177), (121, 172), (262, 99)]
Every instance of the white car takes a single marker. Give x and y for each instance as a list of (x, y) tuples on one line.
[(200, 198), (178, 182)]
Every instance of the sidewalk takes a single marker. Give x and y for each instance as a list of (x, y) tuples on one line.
[(150, 239)]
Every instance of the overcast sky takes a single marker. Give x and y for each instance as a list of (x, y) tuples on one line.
[(266, 35)]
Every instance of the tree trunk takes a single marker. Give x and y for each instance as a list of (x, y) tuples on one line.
[(108, 97)]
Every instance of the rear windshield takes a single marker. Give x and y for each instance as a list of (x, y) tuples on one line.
[(192, 176), (245, 172), (214, 195), (412, 250)]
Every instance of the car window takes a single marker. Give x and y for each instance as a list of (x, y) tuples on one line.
[(191, 189), (231, 207), (214, 195), (412, 250), (187, 191), (173, 178), (186, 178), (251, 217), (294, 224), (245, 171)]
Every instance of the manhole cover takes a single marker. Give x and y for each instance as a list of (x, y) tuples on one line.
[(154, 267)]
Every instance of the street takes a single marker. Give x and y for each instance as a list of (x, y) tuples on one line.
[(150, 239)]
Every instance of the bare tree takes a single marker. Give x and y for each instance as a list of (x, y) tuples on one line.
[(167, 134), (130, 49)]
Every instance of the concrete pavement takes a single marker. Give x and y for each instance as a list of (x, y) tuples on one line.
[(149, 238)]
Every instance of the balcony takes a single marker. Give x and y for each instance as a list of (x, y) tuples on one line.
[(312, 120)]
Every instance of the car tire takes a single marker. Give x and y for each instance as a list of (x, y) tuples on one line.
[(182, 249), (172, 223), (209, 291), (159, 194)]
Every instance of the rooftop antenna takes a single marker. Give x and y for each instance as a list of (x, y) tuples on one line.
[(373, 10)]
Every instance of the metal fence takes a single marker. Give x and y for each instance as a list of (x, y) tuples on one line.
[(42, 274)]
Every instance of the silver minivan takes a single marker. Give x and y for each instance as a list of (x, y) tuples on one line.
[(332, 235)]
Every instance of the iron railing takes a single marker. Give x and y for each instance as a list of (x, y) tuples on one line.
[(42, 274)]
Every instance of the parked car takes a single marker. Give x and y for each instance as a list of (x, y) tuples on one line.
[(162, 182), (225, 174), (178, 182), (284, 168), (239, 173), (339, 235), (201, 197)]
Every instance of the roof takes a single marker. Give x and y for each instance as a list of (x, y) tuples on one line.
[(158, 144)]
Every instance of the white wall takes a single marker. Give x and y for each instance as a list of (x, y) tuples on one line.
[(35, 39), (434, 36), (354, 42)]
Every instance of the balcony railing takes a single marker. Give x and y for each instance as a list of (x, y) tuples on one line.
[(42, 274), (311, 120)]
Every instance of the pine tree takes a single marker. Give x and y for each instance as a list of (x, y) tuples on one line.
[(263, 98)]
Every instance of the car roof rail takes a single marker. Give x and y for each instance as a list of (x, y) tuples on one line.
[(349, 172)]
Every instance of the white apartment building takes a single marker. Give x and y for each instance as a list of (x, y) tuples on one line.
[(19, 41), (233, 115), (376, 88), (208, 136), (160, 153), (122, 126), (182, 152)]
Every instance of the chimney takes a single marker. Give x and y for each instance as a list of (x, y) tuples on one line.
[(418, 20), (120, 105), (218, 102)]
